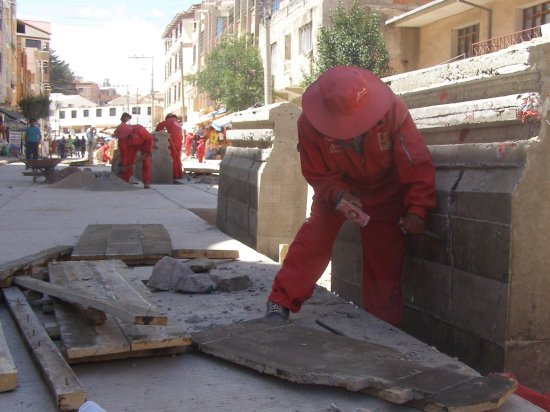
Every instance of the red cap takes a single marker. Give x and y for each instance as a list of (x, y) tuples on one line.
[(346, 101)]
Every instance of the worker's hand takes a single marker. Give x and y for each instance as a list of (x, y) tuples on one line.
[(412, 224), (352, 199)]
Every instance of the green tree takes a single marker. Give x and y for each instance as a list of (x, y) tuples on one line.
[(352, 38), (61, 76), (35, 107), (233, 74)]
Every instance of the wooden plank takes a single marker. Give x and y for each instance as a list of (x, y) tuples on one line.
[(130, 313), (114, 339), (124, 241), (310, 356), (92, 244), (27, 265), (8, 371), (64, 385), (133, 243), (156, 241), (205, 253)]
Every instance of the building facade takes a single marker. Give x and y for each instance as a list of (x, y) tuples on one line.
[(33, 42), (8, 56), (74, 114), (446, 30)]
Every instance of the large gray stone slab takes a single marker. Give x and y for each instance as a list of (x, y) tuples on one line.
[(310, 356)]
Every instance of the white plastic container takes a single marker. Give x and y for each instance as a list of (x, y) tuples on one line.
[(90, 406)]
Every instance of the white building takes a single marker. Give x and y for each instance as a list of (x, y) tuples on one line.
[(74, 114)]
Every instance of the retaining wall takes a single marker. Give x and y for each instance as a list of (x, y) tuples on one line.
[(480, 288), (262, 194)]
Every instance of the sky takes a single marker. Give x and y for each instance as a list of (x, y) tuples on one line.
[(97, 37)]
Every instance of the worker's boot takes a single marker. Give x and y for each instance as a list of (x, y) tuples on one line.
[(146, 186), (277, 312)]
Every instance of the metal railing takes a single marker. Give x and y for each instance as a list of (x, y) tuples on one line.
[(502, 42)]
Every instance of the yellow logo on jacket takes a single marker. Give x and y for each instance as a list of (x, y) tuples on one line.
[(385, 141)]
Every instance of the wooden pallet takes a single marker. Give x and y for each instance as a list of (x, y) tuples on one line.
[(63, 383), (310, 356), (132, 243), (114, 338), (8, 371)]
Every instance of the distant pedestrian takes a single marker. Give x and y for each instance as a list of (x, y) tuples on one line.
[(62, 147), (83, 147), (77, 146), (32, 140)]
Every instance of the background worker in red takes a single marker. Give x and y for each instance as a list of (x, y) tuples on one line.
[(139, 140), (200, 149), (357, 142), (173, 127), (121, 133), (188, 142)]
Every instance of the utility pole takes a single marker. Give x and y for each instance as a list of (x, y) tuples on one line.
[(152, 86), (183, 117)]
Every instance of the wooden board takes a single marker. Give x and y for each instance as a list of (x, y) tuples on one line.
[(133, 243), (66, 389), (204, 253), (113, 339), (310, 356), (8, 371), (28, 265)]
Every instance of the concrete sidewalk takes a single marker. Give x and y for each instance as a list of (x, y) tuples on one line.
[(34, 217)]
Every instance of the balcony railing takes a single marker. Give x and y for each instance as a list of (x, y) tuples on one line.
[(502, 42)]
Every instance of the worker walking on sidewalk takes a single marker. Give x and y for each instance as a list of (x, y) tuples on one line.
[(132, 139), (359, 149), (176, 142)]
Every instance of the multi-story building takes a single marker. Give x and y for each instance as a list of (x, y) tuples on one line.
[(33, 41), (74, 114), (88, 90), (8, 56), (445, 30)]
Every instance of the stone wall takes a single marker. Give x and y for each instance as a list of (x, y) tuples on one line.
[(161, 163), (479, 288), (262, 195)]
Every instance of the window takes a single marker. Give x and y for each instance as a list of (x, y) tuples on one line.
[(149, 110), (73, 114), (275, 6), (273, 56), (112, 111), (97, 112), (86, 113), (288, 47), (136, 110), (32, 43), (305, 38), (61, 114), (536, 15), (219, 26), (465, 38), (43, 66), (194, 55), (201, 42)]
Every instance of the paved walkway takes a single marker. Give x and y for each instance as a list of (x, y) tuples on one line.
[(34, 217)]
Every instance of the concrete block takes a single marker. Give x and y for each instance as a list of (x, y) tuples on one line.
[(445, 182), (486, 194), (427, 246), (481, 247), (479, 305), (483, 355), (427, 286), (227, 281), (482, 133), (530, 363)]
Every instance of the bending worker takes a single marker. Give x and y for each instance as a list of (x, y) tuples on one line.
[(358, 144), (132, 139), (176, 142)]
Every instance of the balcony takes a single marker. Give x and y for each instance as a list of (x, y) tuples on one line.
[(502, 42)]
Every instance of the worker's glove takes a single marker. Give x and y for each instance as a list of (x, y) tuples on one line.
[(412, 224)]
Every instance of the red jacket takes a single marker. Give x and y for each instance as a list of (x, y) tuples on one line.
[(173, 126), (395, 165), (122, 131)]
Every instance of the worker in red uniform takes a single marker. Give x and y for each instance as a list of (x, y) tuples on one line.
[(358, 143), (188, 143), (173, 127), (200, 149), (132, 139)]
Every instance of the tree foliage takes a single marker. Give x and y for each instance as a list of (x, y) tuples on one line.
[(61, 76), (35, 107), (353, 38), (233, 74)]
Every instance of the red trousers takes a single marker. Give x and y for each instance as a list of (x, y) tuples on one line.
[(128, 153), (383, 247), (175, 151)]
